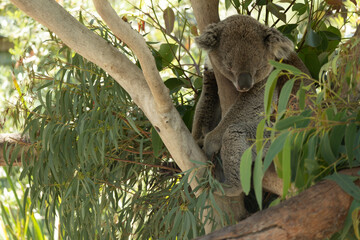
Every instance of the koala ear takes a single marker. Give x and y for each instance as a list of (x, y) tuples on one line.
[(210, 38), (278, 44)]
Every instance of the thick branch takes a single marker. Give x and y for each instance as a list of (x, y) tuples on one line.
[(137, 43), (206, 12), (170, 126), (316, 213)]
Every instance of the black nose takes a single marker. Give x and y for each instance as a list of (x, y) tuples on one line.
[(244, 82)]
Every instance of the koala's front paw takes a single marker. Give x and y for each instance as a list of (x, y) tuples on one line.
[(212, 145)]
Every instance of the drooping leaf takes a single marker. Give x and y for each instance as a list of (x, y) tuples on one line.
[(260, 134), (287, 28), (157, 143), (300, 8), (269, 91), (275, 10), (245, 170), (274, 149), (285, 67), (169, 19), (284, 96), (257, 178), (350, 137), (291, 121), (313, 39), (325, 148), (286, 165), (167, 53)]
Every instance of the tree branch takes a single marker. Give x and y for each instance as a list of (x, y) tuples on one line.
[(169, 124), (137, 43), (316, 213), (206, 12)]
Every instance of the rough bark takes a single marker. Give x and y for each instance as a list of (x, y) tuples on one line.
[(316, 213)]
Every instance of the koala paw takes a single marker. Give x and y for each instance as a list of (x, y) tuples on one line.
[(212, 145)]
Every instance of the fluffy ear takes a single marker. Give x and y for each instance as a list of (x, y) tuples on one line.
[(210, 38), (278, 44)]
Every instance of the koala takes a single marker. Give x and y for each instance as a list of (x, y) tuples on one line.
[(240, 47)]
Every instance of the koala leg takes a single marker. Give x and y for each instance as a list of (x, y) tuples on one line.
[(237, 138), (207, 112)]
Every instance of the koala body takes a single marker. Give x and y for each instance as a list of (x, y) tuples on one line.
[(240, 47)]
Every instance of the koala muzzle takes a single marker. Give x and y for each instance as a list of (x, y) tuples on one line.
[(244, 82)]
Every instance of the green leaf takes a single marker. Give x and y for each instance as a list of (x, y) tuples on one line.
[(133, 125), (313, 64), (291, 121), (258, 176), (261, 2), (269, 91), (331, 36), (227, 4), (310, 162), (284, 97), (285, 67), (325, 149), (174, 84), (302, 97), (156, 141), (236, 3), (300, 8), (275, 10), (198, 82), (346, 182), (167, 53), (348, 221), (336, 137), (274, 149), (169, 19), (260, 135), (245, 170), (313, 39), (350, 136), (287, 28), (286, 166)]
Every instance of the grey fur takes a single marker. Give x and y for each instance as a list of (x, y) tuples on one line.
[(239, 46), (208, 112)]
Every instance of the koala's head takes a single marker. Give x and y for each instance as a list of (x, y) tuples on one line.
[(241, 48)]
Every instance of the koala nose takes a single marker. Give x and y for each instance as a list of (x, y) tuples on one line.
[(244, 82)]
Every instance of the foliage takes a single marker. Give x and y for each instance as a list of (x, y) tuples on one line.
[(95, 163), (98, 167), (18, 223)]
